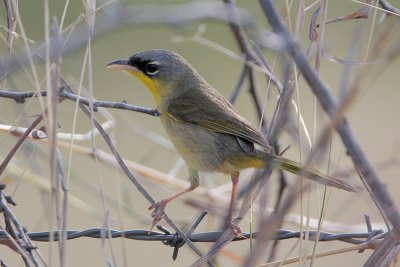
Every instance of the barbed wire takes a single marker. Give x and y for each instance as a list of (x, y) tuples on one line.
[(145, 235), (174, 240)]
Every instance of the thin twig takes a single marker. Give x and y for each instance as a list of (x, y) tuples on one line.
[(239, 84)]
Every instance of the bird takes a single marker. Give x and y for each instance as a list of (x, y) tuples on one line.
[(204, 127)]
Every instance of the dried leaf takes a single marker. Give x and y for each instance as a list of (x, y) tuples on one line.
[(363, 13)]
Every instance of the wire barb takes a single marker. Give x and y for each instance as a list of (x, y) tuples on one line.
[(177, 242)]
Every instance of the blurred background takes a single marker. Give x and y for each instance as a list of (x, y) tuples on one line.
[(101, 195)]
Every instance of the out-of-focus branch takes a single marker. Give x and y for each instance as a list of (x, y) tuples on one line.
[(386, 5), (10, 37)]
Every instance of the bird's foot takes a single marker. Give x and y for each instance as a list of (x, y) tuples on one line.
[(158, 212), (235, 228)]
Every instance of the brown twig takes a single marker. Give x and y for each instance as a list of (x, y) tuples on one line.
[(58, 179)]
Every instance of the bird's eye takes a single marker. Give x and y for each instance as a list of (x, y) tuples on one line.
[(152, 68)]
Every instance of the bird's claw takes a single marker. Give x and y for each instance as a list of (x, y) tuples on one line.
[(158, 212)]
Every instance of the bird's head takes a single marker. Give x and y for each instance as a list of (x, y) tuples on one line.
[(162, 71)]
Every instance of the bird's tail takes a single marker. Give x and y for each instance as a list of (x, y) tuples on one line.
[(309, 173)]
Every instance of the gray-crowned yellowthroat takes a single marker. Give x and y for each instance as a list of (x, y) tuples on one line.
[(204, 127)]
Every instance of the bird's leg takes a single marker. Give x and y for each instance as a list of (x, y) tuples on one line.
[(229, 223), (159, 207)]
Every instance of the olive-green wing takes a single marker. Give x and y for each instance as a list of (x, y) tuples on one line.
[(212, 111)]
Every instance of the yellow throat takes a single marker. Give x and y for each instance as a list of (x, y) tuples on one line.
[(152, 85)]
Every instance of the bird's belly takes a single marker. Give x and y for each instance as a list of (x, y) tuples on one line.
[(200, 148)]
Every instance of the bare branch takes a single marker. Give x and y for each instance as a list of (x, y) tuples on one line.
[(20, 97)]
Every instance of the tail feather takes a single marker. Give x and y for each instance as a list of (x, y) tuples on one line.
[(314, 175)]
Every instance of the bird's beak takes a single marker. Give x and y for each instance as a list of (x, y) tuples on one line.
[(122, 64)]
